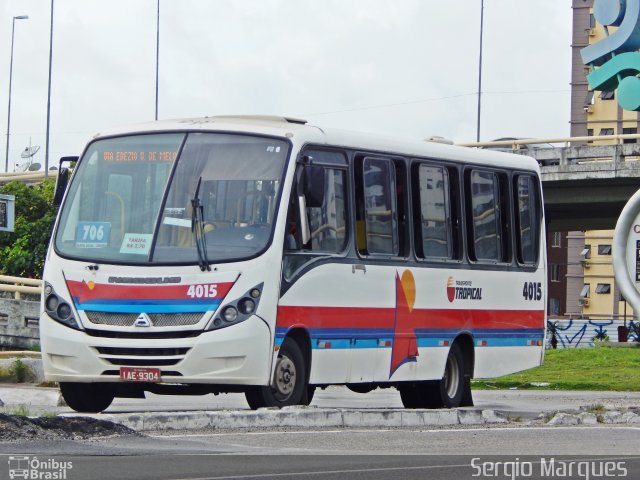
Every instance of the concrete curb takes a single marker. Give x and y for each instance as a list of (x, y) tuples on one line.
[(307, 417), (34, 372), (586, 418)]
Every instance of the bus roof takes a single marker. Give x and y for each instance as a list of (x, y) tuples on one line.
[(302, 132)]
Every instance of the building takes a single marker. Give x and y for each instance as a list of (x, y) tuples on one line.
[(591, 293)]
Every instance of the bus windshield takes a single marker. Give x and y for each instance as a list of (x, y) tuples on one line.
[(130, 200)]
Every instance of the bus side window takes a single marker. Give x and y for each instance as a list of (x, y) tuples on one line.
[(488, 216), (527, 219), (432, 209), (376, 210), (482, 197)]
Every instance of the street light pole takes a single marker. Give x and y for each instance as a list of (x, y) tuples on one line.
[(480, 70), (157, 52), (13, 28), (46, 153)]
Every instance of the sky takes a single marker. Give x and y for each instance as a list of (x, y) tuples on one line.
[(406, 68)]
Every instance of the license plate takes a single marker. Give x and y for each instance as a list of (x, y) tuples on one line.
[(132, 374)]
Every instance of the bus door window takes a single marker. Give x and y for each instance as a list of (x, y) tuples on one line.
[(325, 192), (527, 219), (376, 207), (327, 221)]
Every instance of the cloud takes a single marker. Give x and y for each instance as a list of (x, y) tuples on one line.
[(404, 67)]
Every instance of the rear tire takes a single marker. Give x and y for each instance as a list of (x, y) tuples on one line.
[(289, 384), (447, 393), (87, 397), (453, 381)]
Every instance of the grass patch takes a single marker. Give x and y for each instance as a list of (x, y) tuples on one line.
[(597, 408), (17, 372), (20, 370), (21, 410), (601, 368)]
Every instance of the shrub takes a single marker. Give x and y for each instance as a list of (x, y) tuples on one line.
[(23, 251)]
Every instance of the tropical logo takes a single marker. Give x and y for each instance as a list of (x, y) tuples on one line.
[(462, 290), (451, 289), (615, 60)]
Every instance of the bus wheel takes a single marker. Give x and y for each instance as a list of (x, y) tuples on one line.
[(87, 397), (289, 380), (311, 390), (447, 392), (421, 395), (453, 382)]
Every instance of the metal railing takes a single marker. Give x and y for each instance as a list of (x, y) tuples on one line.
[(565, 141), (18, 285), (28, 176)]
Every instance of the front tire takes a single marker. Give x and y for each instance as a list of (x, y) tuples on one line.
[(87, 397), (289, 385)]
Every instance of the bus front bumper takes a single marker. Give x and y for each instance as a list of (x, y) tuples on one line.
[(236, 355)]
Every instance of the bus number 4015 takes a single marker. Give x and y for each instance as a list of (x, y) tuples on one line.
[(532, 291), (209, 290)]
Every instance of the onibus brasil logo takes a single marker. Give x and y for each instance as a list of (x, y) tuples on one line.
[(33, 468)]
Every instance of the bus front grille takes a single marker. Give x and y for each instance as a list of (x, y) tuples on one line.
[(144, 362), (142, 352), (142, 357), (157, 319), (173, 334)]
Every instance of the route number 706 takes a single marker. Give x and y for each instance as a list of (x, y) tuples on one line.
[(532, 291)]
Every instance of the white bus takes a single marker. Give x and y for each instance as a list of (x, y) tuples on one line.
[(267, 256)]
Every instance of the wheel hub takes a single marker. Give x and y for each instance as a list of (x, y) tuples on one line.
[(285, 378), (451, 377)]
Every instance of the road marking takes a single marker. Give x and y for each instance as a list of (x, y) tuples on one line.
[(381, 469), (326, 472)]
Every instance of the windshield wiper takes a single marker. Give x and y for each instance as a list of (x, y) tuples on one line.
[(197, 229)]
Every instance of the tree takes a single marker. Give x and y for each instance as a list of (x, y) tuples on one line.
[(23, 251)]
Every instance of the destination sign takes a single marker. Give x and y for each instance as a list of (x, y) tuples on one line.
[(139, 155)]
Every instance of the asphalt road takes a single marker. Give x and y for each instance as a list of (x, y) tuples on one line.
[(329, 454)]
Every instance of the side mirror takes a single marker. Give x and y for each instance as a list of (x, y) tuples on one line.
[(63, 180)]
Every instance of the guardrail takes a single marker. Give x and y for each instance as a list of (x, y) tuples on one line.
[(575, 153), (18, 285), (28, 176), (566, 141)]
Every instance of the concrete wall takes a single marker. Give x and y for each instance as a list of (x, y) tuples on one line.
[(19, 323)]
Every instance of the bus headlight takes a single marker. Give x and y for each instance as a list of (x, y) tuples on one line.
[(230, 314), (51, 303), (58, 309), (238, 310), (247, 306)]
